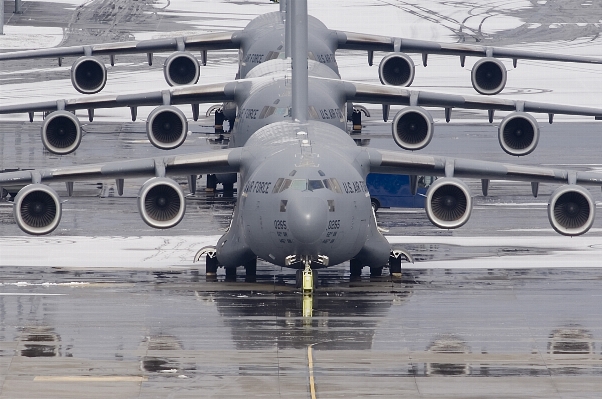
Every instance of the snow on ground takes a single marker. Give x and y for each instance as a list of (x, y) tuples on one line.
[(30, 37), (178, 251)]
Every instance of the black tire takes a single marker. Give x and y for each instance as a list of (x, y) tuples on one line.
[(355, 268), (376, 271), (230, 273), (211, 182), (395, 265), (375, 204), (211, 265), (228, 188), (251, 270)]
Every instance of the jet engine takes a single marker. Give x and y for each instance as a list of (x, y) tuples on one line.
[(61, 132), (166, 127), (448, 203), (37, 209), (571, 210), (181, 68), (88, 75), (413, 128), (161, 203), (518, 133), (489, 76), (396, 69)]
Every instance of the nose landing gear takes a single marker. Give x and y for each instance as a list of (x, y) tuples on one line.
[(306, 279)]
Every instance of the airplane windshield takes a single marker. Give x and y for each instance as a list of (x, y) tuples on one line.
[(297, 184)]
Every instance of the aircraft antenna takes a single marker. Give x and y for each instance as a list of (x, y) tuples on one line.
[(299, 61)]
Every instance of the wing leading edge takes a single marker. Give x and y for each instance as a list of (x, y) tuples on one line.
[(360, 41)]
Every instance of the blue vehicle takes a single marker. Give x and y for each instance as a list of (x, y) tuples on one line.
[(387, 191)]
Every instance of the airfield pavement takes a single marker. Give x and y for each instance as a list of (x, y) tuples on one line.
[(106, 307)]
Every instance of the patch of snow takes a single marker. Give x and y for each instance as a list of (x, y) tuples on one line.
[(29, 37)]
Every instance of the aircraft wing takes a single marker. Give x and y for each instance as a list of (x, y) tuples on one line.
[(399, 162), (207, 41), (360, 41), (220, 161), (376, 94), (214, 92)]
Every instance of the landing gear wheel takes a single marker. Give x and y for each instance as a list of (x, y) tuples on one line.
[(376, 271), (355, 268), (228, 188), (211, 182), (211, 265), (375, 204), (395, 265), (251, 271), (298, 278), (230, 273)]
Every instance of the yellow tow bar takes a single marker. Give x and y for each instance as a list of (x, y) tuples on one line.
[(308, 281)]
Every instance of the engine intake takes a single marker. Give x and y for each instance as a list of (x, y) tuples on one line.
[(37, 209), (181, 68), (571, 210), (448, 203), (61, 132), (489, 76), (167, 127), (413, 128), (396, 69), (88, 75), (518, 133), (161, 203)]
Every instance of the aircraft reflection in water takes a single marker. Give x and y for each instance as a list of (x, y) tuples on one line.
[(303, 201)]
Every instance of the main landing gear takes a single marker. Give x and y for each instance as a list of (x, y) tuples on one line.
[(356, 266), (211, 266)]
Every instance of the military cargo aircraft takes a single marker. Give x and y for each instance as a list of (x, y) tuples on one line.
[(303, 202), (264, 39)]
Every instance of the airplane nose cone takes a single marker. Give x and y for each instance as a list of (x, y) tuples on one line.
[(307, 218)]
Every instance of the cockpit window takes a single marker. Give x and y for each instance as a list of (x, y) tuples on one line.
[(315, 185), (277, 185), (333, 185), (299, 185), (272, 55)]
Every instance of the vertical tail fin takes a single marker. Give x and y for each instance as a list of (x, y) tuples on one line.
[(299, 59)]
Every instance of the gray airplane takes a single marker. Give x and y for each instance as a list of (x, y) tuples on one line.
[(264, 39), (303, 201)]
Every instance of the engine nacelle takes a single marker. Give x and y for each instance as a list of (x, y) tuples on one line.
[(61, 132), (396, 69), (489, 76), (37, 209), (448, 203), (161, 203), (413, 128), (88, 75), (181, 68), (571, 210), (167, 127), (518, 133)]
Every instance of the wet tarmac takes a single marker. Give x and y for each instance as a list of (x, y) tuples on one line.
[(436, 333), (108, 307)]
